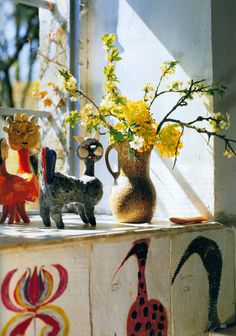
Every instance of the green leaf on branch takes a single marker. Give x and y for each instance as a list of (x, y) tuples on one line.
[(73, 118), (217, 89), (116, 135), (168, 68)]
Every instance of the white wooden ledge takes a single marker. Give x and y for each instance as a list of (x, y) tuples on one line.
[(36, 233)]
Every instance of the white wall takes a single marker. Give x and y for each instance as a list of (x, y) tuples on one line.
[(150, 32)]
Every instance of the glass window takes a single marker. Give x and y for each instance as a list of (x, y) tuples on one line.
[(19, 67)]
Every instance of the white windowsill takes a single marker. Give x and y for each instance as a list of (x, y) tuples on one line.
[(35, 233)]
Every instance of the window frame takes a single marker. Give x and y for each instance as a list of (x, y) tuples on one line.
[(73, 45), (37, 3), (73, 166), (73, 64), (10, 111)]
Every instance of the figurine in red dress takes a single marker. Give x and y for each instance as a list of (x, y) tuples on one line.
[(15, 190)]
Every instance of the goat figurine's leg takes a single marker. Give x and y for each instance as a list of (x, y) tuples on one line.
[(80, 211), (89, 213), (56, 215), (44, 211), (45, 215)]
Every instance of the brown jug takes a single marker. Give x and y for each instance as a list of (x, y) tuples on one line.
[(133, 195)]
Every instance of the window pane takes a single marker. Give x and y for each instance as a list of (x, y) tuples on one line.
[(19, 40)]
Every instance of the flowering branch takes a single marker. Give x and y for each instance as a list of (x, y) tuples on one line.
[(167, 69), (177, 146), (81, 93), (194, 87), (223, 137), (132, 121)]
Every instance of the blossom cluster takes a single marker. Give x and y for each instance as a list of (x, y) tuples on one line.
[(133, 121), (68, 83), (220, 121), (126, 120)]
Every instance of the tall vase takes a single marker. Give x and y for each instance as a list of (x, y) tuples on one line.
[(133, 195)]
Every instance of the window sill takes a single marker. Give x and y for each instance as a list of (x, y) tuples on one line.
[(35, 233)]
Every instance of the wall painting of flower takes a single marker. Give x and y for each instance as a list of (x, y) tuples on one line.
[(32, 298)]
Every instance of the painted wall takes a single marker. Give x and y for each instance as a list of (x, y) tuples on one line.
[(154, 284)]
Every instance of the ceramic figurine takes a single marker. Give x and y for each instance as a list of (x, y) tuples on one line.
[(23, 135), (59, 189)]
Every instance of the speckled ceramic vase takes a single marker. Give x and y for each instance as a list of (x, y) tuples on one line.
[(133, 195)]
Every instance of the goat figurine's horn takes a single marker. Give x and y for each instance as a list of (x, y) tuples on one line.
[(78, 138)]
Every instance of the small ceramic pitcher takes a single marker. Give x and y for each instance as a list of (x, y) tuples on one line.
[(133, 195)]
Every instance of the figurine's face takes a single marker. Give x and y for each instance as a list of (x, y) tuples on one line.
[(4, 149), (23, 134), (90, 149)]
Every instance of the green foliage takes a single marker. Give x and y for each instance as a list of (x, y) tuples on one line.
[(65, 74), (168, 68), (116, 135), (176, 86), (217, 89), (73, 118), (112, 56)]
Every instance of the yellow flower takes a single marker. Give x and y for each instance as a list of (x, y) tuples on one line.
[(42, 94), (68, 83), (89, 116), (169, 142), (35, 89), (135, 112), (47, 102), (229, 153), (220, 122)]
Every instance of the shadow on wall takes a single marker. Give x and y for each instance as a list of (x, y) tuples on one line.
[(199, 36), (196, 30), (224, 49), (188, 32), (194, 198)]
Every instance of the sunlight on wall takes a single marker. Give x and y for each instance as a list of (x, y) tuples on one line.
[(188, 190)]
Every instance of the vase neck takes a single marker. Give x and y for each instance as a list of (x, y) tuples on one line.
[(133, 165)]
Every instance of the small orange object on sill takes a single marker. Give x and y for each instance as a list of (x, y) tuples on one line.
[(190, 220)]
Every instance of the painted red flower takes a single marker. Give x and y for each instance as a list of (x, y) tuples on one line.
[(33, 295)]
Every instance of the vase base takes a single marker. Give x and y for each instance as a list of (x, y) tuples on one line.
[(135, 215)]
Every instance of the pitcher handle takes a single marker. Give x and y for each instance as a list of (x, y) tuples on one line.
[(114, 174)]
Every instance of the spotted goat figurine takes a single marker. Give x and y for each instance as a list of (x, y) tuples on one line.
[(58, 189)]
